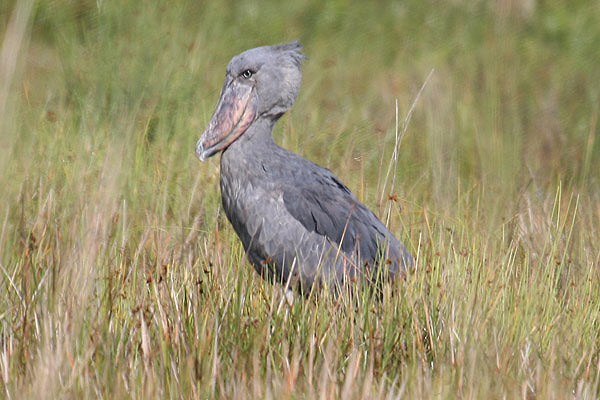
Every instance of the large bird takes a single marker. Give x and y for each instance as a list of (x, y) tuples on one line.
[(298, 223)]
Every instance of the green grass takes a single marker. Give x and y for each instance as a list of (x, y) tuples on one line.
[(121, 277)]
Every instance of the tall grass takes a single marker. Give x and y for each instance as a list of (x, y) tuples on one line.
[(121, 277)]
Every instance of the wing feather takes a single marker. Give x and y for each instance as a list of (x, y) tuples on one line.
[(323, 204)]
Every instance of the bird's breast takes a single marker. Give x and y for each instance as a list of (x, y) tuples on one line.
[(244, 195)]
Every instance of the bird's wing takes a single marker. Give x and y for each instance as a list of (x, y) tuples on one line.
[(323, 204)]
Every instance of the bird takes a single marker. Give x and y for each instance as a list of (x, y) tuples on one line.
[(299, 224)]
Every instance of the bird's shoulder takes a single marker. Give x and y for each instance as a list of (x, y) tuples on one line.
[(317, 187)]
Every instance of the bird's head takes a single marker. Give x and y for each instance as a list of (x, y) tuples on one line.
[(259, 83)]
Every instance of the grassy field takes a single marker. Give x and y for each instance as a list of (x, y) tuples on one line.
[(120, 276)]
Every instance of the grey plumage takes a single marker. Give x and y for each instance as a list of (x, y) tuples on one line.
[(296, 220)]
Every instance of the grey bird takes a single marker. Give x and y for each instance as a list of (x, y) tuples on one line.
[(298, 223)]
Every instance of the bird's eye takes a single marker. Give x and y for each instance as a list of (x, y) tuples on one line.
[(247, 74)]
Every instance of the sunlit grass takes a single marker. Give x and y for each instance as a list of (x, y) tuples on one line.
[(121, 277)]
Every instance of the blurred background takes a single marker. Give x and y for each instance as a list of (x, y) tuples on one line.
[(101, 103), (513, 97)]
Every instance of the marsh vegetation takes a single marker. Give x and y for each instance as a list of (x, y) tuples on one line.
[(121, 277)]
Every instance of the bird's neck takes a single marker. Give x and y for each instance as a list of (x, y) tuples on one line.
[(257, 140)]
